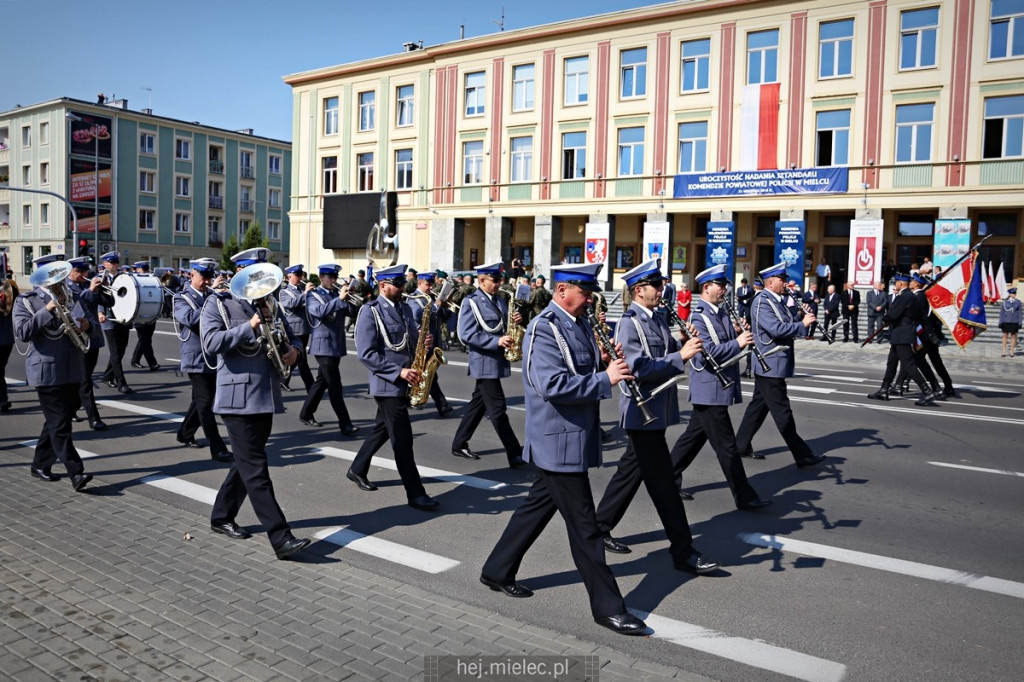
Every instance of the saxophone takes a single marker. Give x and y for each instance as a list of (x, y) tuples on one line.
[(423, 362), (517, 297)]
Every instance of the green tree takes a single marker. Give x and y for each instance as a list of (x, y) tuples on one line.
[(252, 238)]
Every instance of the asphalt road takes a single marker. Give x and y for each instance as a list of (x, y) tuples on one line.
[(898, 558)]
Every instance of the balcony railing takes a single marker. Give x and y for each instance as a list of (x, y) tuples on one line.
[(247, 172), (246, 206), (217, 167), (217, 202)]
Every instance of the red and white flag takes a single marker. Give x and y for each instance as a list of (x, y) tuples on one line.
[(993, 287), (947, 297), (759, 127), (1001, 283)]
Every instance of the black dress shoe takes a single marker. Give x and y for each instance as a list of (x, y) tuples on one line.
[(76, 419), (110, 382), (696, 563), (752, 455), (948, 392), (310, 422), (683, 495), (512, 589), (810, 461), (350, 430), (221, 457), (99, 425), (125, 389), (136, 365), (517, 462), (78, 482), (424, 503), (614, 546), (154, 368), (44, 475), (623, 624), (5, 406), (880, 394), (360, 481), (745, 374), (447, 409), (465, 452), (231, 529), (754, 504), (291, 547), (190, 443), (606, 436)]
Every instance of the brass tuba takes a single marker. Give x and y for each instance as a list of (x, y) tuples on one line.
[(517, 298), (51, 277), (426, 364), (257, 283)]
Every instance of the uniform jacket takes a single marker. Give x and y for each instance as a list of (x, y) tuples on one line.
[(247, 383), (385, 364), (876, 298), (847, 298), (903, 317), (1010, 311), (774, 324), (811, 300), (486, 357), (744, 295), (652, 368), (563, 428), (293, 300), (831, 303), (705, 388), (417, 305), (188, 308), (327, 312), (52, 360), (91, 300)]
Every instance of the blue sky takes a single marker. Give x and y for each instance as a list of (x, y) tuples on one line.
[(220, 62)]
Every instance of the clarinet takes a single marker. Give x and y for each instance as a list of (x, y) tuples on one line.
[(742, 324), (824, 330), (709, 361), (608, 347)]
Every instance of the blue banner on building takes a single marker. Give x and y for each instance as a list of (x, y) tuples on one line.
[(722, 246), (831, 180), (789, 247)]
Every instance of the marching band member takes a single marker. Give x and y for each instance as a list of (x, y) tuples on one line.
[(653, 356), (144, 331), (327, 308), (482, 319), (903, 317), (248, 396), (563, 439), (115, 332), (188, 308), (386, 337), (1009, 320), (54, 366), (773, 325), (424, 282), (91, 296), (293, 300)]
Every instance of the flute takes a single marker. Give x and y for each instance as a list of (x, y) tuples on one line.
[(608, 347), (742, 324), (709, 361)]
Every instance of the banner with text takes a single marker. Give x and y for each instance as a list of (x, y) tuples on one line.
[(789, 247), (596, 251), (952, 240), (656, 243), (722, 246), (91, 136), (832, 180), (865, 264)]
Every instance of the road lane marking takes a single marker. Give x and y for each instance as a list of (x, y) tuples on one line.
[(750, 652), (466, 400), (844, 380), (15, 382), (426, 472), (178, 486), (139, 409), (459, 363), (385, 549), (979, 469), (883, 563), (84, 454), (157, 331)]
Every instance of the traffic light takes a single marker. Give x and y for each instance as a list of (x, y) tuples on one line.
[(83, 248)]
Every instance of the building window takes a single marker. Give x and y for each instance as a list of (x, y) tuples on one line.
[(914, 132), (26, 258), (245, 168), (918, 33), (183, 149), (26, 136), (274, 198), (693, 147), (44, 134), (835, 56), (833, 134), (762, 57), (633, 73), (274, 229), (577, 80), (696, 56), (403, 169), (522, 158), (147, 182), (213, 230), (331, 116), (44, 173), (330, 174), (44, 209), (274, 163), (182, 185), (26, 215), (522, 87), (245, 202), (472, 162), (147, 143), (147, 219), (574, 155), (243, 227), (1004, 127), (476, 93), (631, 151), (367, 107), (1006, 33), (181, 223), (26, 176), (364, 169), (406, 100)]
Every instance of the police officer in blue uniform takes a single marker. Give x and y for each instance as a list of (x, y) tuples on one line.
[(386, 336), (563, 439), (54, 366), (417, 303), (1009, 321), (774, 325), (144, 331), (248, 396), (710, 417), (653, 357), (327, 308), (188, 308), (115, 332), (293, 299), (90, 294), (482, 319)]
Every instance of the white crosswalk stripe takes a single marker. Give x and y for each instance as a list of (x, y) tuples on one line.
[(983, 470)]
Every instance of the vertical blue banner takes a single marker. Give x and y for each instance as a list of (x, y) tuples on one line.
[(789, 246), (722, 246)]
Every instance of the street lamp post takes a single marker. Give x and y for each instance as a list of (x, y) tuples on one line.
[(95, 191)]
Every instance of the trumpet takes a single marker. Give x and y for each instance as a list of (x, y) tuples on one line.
[(352, 297)]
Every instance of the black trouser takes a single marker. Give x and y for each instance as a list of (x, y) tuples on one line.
[(848, 320), (85, 391), (903, 354), (328, 379), (770, 396), (144, 346), (830, 319), (392, 423), (570, 494), (5, 354), (874, 322), (59, 404), (711, 422), (200, 412), (249, 476), (440, 401), (302, 365), (488, 398), (117, 343)]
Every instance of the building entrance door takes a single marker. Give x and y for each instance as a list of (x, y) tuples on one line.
[(838, 257)]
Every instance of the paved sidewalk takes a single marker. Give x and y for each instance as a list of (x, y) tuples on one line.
[(102, 585)]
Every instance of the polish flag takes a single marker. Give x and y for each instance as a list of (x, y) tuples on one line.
[(993, 288), (946, 299), (759, 127), (1001, 283)]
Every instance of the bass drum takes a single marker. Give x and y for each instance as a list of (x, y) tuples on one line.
[(138, 299)]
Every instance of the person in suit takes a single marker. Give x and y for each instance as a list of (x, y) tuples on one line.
[(386, 337), (877, 302), (188, 308), (417, 304), (7, 333), (849, 300), (774, 326), (903, 318), (482, 319), (327, 306), (116, 333), (144, 331), (653, 356), (563, 439), (1010, 321), (831, 303), (293, 299), (248, 395), (55, 367), (90, 294), (744, 295), (811, 300)]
